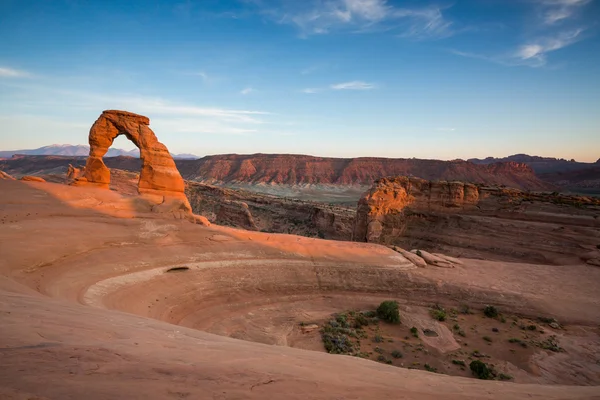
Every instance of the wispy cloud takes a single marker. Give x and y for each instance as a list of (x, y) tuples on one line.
[(554, 11), (13, 73), (536, 51), (354, 85), (311, 90), (317, 17), (533, 53), (446, 129), (247, 90)]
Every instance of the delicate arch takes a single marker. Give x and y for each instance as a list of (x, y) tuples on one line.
[(158, 174)]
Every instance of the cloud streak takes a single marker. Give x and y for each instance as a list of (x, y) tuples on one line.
[(317, 17), (555, 11), (6, 72), (353, 85)]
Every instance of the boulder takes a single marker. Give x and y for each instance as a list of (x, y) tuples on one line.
[(432, 259), (31, 178), (413, 258), (452, 260)]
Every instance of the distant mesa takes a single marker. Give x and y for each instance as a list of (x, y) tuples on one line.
[(160, 181)]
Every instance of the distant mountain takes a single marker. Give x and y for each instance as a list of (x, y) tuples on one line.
[(541, 165), (80, 151)]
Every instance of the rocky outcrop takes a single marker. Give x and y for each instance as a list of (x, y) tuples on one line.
[(477, 221), (235, 213), (29, 178), (74, 173), (160, 181), (5, 176), (390, 197)]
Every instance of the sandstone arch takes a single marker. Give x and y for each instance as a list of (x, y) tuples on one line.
[(159, 178)]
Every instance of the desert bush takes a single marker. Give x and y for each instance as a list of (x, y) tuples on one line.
[(504, 377), (397, 354), (429, 368), (439, 314), (378, 339), (388, 311), (519, 341), (337, 343), (414, 331), (360, 320), (464, 309), (550, 344), (487, 339), (490, 312), (459, 362), (480, 370)]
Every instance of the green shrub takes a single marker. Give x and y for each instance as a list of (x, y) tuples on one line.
[(381, 358), (519, 341), (459, 362), (429, 368), (397, 354), (490, 312), (360, 320), (487, 339), (440, 315), (378, 339), (388, 311), (480, 370), (504, 377), (414, 331), (464, 309)]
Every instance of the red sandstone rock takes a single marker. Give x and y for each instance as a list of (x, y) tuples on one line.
[(469, 220), (4, 175), (32, 178), (160, 181), (74, 173)]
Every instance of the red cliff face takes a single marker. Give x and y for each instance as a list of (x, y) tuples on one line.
[(478, 221), (305, 170)]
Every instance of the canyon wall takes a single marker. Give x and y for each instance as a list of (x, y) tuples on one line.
[(479, 221)]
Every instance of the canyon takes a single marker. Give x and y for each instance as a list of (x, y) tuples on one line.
[(115, 283)]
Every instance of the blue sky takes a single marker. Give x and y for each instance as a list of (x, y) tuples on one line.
[(345, 78)]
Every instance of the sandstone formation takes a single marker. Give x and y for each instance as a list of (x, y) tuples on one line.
[(74, 173), (4, 175), (160, 180), (478, 221), (235, 213), (412, 257), (31, 178)]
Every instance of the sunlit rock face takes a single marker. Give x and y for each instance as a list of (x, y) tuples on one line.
[(160, 181)]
